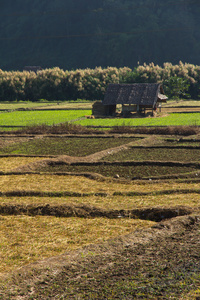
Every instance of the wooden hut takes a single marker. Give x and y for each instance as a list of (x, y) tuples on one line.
[(133, 97)]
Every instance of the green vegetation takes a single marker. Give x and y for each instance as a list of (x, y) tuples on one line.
[(53, 117), (50, 117), (177, 87), (190, 119), (180, 80)]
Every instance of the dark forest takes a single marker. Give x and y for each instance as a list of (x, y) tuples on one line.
[(85, 34)]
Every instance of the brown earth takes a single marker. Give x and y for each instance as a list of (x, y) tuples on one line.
[(157, 263)]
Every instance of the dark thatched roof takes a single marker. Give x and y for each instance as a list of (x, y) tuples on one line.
[(143, 94)]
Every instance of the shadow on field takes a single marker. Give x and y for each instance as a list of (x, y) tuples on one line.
[(156, 214), (70, 128)]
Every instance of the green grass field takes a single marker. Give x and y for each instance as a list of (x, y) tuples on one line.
[(49, 117), (176, 119)]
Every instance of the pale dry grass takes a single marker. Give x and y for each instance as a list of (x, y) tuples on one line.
[(54, 183), (70, 105), (185, 103), (110, 202), (25, 239), (9, 163)]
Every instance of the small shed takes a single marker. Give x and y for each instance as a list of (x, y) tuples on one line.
[(134, 97)]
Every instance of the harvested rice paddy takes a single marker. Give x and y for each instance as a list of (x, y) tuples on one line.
[(56, 213)]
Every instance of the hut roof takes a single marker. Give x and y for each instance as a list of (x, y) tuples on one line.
[(146, 94)]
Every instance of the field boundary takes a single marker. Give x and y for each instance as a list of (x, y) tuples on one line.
[(25, 193), (155, 214), (190, 176)]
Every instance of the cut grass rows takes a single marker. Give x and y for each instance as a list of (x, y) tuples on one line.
[(26, 239), (54, 183), (189, 199)]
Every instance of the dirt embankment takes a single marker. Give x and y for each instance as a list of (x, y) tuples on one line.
[(153, 213)]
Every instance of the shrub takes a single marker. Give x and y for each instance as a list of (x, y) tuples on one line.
[(176, 87)]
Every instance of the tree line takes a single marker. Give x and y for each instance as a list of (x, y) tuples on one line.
[(179, 81)]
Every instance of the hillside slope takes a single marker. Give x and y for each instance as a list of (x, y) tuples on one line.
[(81, 34)]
